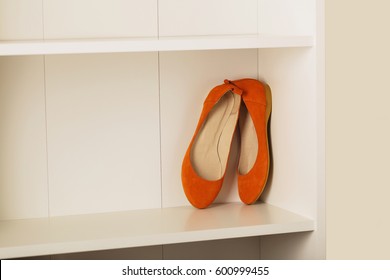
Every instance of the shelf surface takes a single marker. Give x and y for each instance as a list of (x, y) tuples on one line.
[(41, 47), (67, 234)]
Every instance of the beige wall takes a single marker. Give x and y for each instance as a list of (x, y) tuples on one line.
[(358, 129)]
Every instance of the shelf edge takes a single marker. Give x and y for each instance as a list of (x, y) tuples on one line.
[(50, 47)]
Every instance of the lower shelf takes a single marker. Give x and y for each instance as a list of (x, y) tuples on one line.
[(68, 234)]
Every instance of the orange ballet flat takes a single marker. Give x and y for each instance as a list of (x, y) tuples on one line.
[(204, 164), (254, 159)]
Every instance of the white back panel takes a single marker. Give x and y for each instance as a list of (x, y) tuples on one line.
[(103, 132), (207, 17), (186, 80), (103, 18), (21, 19), (287, 17), (23, 169), (137, 253), (225, 249), (292, 246)]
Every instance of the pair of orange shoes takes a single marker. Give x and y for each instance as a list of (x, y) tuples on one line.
[(248, 103)]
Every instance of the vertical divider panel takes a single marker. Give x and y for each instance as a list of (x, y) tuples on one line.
[(23, 166), (321, 136)]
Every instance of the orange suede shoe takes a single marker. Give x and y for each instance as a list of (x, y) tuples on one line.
[(205, 161), (254, 160)]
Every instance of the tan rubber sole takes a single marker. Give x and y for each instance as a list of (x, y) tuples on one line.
[(268, 109)]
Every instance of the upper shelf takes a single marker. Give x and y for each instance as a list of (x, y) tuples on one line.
[(41, 47), (46, 236)]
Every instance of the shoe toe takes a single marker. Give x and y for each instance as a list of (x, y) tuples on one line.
[(249, 190), (199, 192)]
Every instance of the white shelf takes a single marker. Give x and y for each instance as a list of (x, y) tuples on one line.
[(41, 47), (33, 237)]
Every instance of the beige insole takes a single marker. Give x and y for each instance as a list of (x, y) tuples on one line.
[(210, 150), (249, 143)]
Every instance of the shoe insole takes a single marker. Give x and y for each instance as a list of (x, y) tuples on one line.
[(249, 143), (210, 150)]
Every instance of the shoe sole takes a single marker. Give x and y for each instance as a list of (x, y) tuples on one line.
[(268, 109)]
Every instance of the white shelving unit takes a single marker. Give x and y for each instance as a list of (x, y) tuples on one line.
[(97, 107)]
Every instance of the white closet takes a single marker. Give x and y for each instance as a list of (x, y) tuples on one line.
[(99, 100)]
